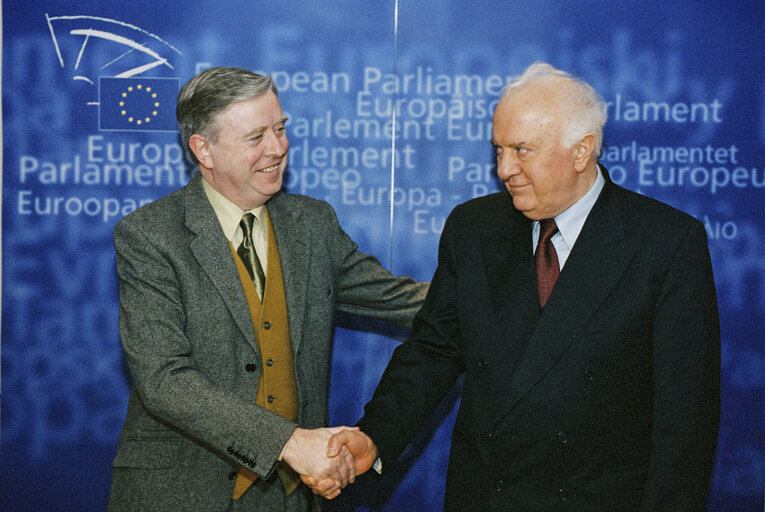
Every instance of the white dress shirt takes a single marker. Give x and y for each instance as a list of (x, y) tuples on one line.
[(571, 221), (229, 216)]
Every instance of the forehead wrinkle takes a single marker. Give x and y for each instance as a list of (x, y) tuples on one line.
[(530, 128), (543, 111)]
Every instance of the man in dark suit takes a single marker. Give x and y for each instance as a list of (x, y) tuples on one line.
[(228, 289), (594, 389)]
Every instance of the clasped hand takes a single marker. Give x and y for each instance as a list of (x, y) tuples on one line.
[(328, 459)]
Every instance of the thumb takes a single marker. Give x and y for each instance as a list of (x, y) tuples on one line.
[(336, 442)]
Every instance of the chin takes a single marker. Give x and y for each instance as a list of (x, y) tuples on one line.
[(273, 190), (522, 204), (268, 181)]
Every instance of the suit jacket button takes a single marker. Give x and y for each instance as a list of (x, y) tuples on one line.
[(271, 399), (588, 375), (266, 325), (232, 475), (563, 438), (563, 495), (270, 362), (499, 485), (250, 367), (482, 364)]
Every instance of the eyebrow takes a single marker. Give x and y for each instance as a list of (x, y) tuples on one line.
[(510, 145), (261, 129)]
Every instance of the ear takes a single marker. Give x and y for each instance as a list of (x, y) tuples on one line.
[(584, 151), (201, 149)]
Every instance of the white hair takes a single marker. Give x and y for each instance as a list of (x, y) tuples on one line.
[(585, 110)]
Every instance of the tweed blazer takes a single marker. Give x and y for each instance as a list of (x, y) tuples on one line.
[(191, 348)]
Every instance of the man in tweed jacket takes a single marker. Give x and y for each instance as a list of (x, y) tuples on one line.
[(187, 331)]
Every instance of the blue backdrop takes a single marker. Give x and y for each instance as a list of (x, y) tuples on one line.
[(390, 107)]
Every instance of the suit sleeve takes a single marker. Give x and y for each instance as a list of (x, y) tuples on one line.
[(364, 287), (423, 368), (686, 381), (161, 359)]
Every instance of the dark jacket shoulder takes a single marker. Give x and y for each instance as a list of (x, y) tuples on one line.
[(646, 214)]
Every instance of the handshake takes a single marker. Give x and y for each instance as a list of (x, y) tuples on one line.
[(328, 459)]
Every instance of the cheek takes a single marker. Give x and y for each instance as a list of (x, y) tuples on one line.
[(549, 174), (252, 155)]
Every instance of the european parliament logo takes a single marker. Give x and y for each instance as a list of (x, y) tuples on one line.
[(137, 104)]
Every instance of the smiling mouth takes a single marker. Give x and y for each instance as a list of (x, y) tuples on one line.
[(270, 169), (516, 187)]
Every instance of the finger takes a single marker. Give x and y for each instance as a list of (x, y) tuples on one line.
[(333, 489), (345, 469), (309, 481), (344, 476), (351, 462), (335, 473), (337, 430), (326, 487), (323, 487), (332, 496)]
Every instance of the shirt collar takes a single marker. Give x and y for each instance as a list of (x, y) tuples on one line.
[(571, 221), (228, 213)]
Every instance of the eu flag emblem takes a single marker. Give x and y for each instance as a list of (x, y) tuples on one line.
[(137, 104)]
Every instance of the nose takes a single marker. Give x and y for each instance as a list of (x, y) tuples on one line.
[(276, 144), (507, 165)]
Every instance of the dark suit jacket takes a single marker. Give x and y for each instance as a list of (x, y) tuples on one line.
[(189, 341), (607, 400)]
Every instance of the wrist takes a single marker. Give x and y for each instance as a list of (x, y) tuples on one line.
[(288, 450)]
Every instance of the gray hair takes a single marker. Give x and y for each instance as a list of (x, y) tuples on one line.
[(585, 110), (207, 95)]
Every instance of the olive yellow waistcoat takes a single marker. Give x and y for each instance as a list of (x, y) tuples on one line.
[(277, 388)]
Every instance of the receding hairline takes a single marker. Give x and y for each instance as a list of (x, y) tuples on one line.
[(541, 95), (550, 96), (555, 85)]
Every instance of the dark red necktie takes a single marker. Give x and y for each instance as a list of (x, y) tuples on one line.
[(546, 260)]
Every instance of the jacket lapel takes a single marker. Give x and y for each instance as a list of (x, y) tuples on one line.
[(599, 257), (211, 250), (294, 258), (510, 274)]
